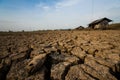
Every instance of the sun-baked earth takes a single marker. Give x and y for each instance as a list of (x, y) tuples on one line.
[(60, 55)]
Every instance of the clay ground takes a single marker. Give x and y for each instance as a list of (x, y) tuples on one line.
[(60, 55)]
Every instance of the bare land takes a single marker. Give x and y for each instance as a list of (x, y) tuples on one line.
[(60, 55)]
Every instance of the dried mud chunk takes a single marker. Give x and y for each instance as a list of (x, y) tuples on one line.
[(85, 47), (18, 57), (40, 75), (58, 71), (4, 54), (5, 66), (36, 52), (21, 56), (106, 54), (48, 50), (18, 71), (92, 51), (115, 57), (103, 70), (36, 63), (106, 62), (78, 52), (76, 73), (22, 49), (91, 71), (64, 58)]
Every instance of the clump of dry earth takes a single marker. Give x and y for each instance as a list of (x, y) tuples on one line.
[(60, 55)]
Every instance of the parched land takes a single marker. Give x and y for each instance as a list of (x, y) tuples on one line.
[(60, 55)]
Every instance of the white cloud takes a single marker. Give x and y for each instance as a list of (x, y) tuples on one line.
[(39, 5), (57, 5), (66, 3), (46, 8), (43, 6)]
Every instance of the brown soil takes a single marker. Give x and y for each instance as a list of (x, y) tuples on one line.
[(60, 55)]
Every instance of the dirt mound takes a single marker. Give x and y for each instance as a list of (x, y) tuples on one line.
[(60, 55)]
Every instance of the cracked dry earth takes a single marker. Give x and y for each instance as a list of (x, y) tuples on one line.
[(60, 55)]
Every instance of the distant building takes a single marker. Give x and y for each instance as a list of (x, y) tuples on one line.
[(100, 23), (79, 28)]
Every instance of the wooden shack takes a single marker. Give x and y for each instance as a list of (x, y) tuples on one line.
[(100, 23), (79, 28)]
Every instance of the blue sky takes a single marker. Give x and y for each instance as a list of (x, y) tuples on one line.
[(17, 15)]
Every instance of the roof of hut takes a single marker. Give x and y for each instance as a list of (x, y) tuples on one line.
[(99, 20), (80, 27)]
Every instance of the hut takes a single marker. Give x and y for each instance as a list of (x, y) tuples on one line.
[(100, 23), (79, 28)]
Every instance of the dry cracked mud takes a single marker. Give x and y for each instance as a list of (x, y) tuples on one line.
[(60, 55)]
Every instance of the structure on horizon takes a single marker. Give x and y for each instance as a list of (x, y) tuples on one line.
[(79, 28), (100, 23)]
